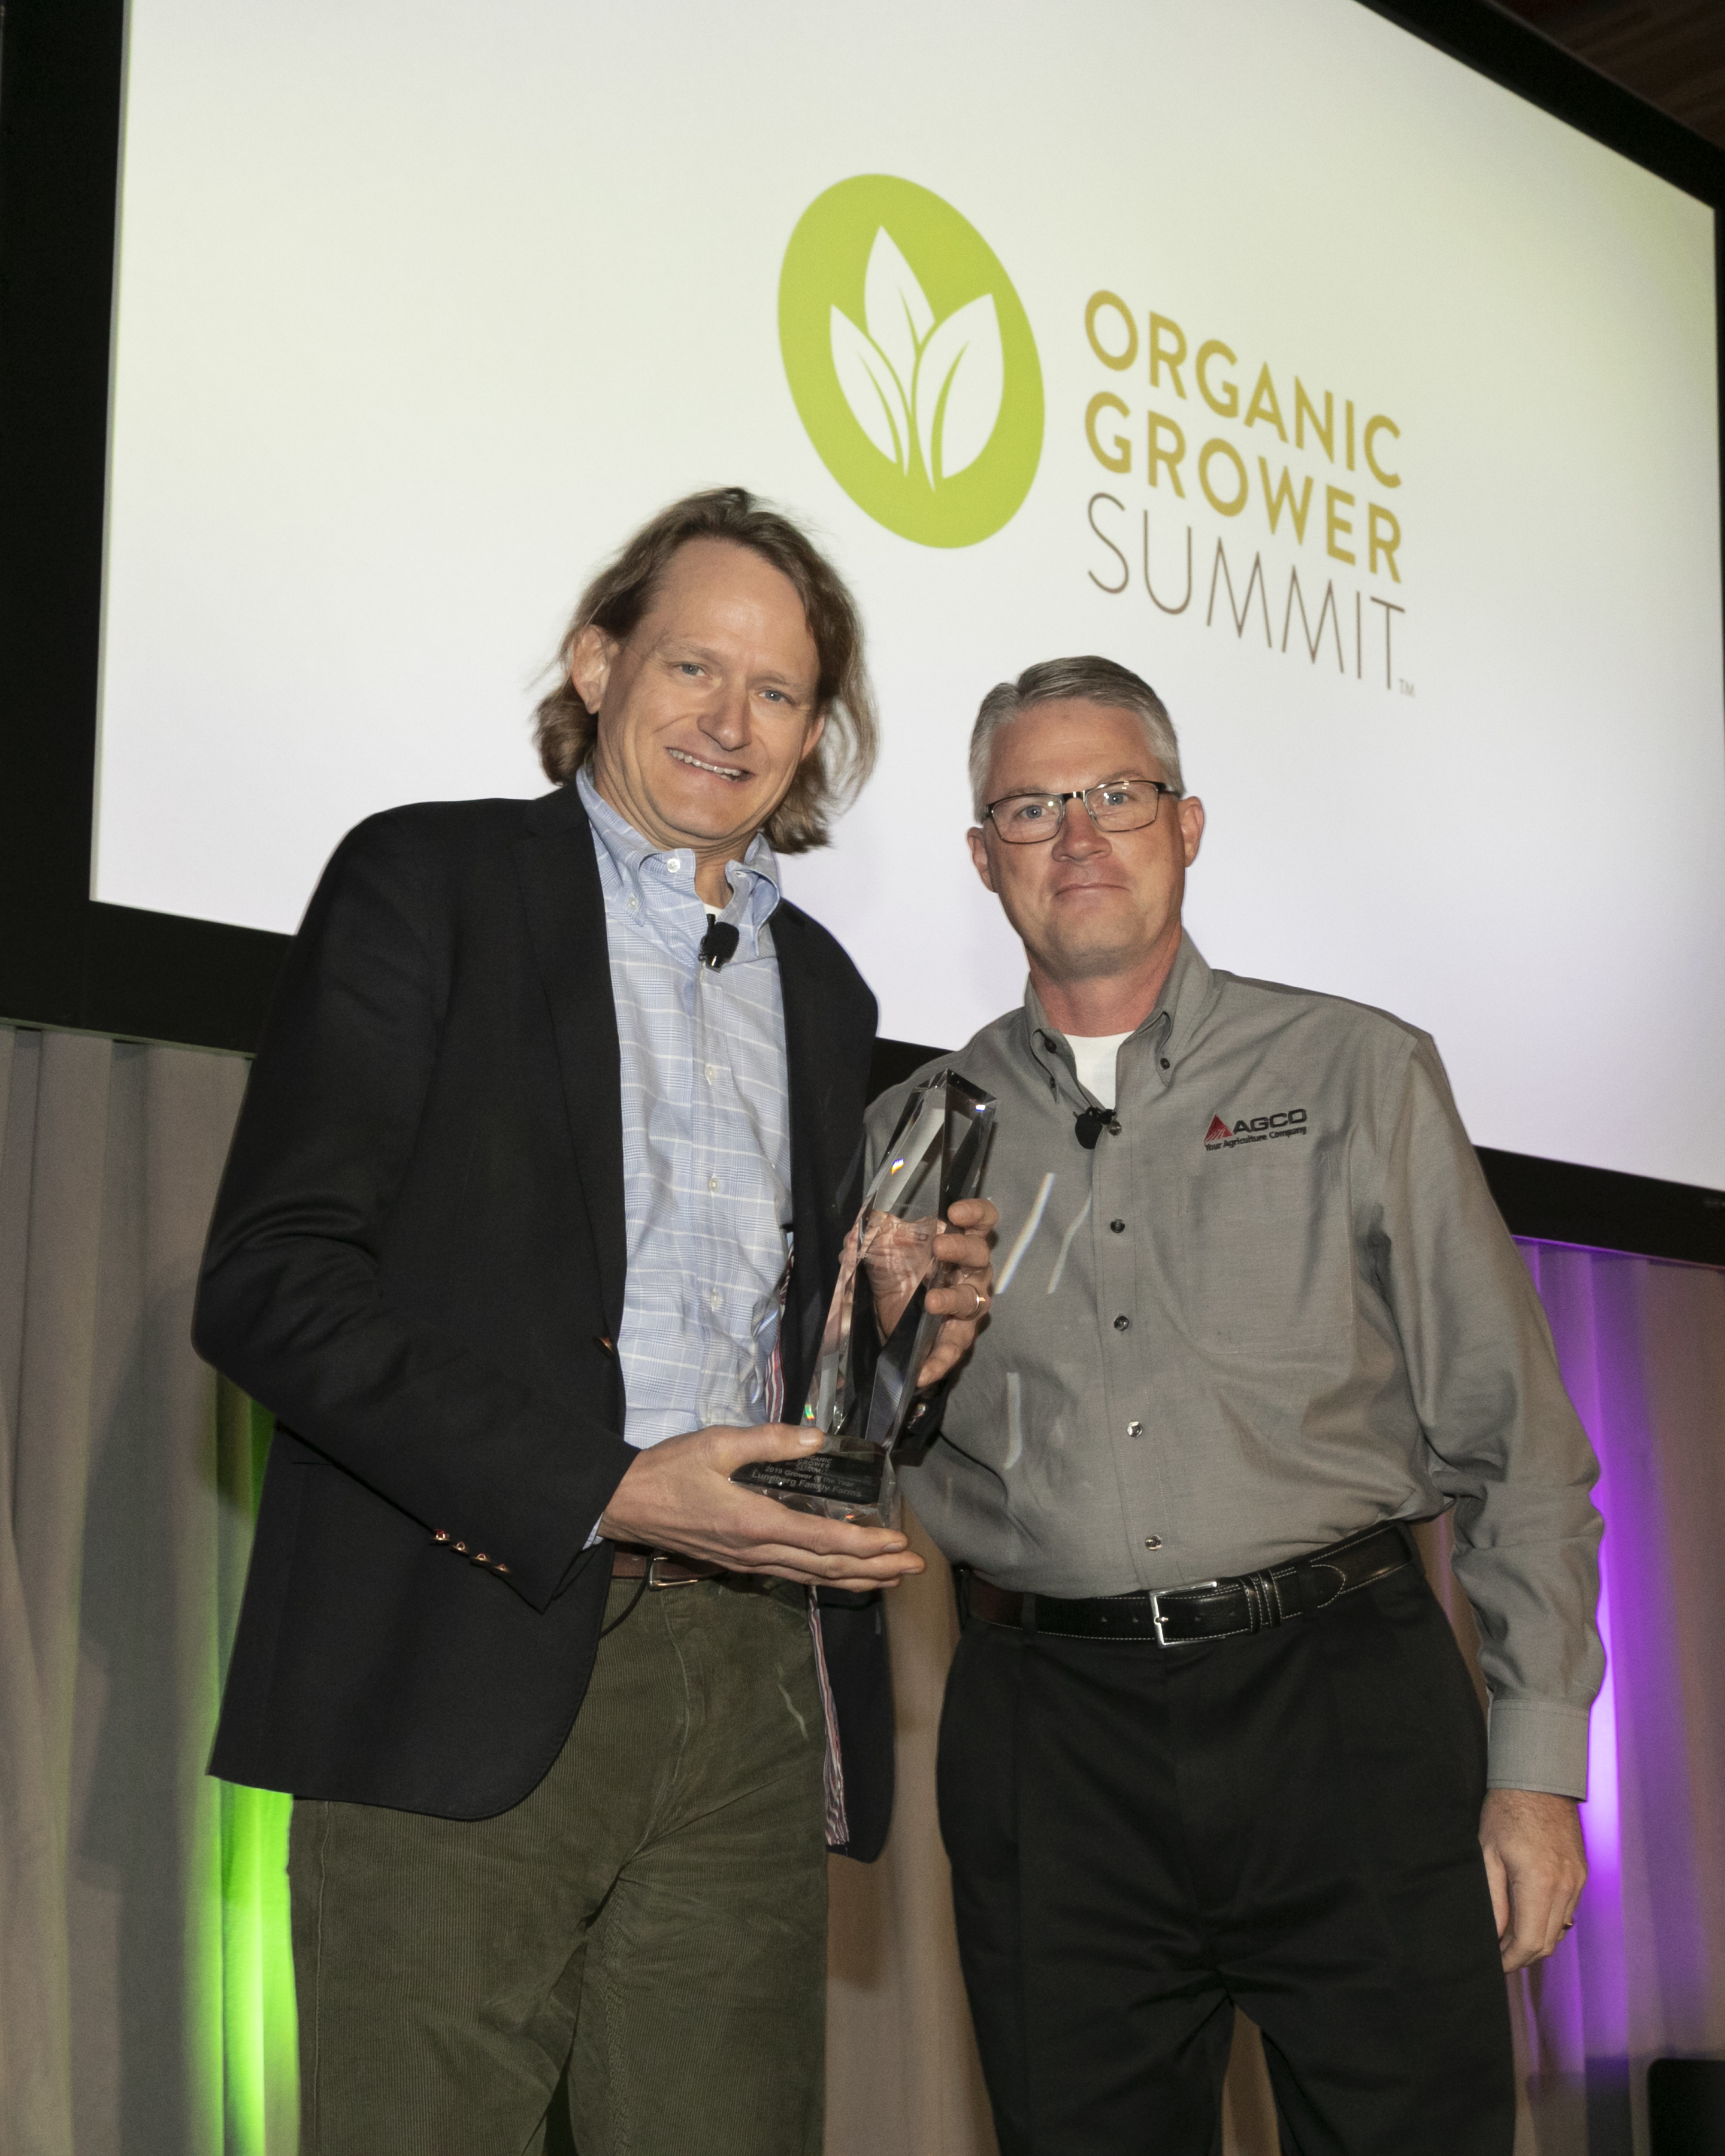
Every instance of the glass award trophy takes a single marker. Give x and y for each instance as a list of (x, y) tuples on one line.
[(879, 1331)]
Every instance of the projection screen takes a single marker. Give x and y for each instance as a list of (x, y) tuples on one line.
[(1368, 411)]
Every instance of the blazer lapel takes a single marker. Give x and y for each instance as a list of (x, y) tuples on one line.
[(565, 925), (824, 1046)]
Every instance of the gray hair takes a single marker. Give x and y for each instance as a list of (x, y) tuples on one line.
[(1057, 681)]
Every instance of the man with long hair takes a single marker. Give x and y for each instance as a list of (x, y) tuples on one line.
[(530, 1225)]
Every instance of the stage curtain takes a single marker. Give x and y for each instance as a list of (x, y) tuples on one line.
[(145, 2001), (140, 1999)]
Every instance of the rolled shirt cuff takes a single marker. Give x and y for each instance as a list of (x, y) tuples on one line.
[(1534, 1746)]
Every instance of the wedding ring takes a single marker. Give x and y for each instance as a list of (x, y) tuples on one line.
[(981, 1301)]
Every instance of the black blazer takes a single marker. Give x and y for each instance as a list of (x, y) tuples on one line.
[(417, 1263)]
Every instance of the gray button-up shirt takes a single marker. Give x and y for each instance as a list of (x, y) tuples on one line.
[(1278, 1307)]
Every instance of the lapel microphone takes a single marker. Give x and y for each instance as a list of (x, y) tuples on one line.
[(720, 943), (1092, 1122)]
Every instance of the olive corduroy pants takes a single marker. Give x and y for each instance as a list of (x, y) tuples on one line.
[(653, 1913)]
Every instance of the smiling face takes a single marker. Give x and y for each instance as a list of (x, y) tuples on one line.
[(1096, 909), (707, 708)]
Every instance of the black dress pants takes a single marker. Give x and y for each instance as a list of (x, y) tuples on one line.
[(1143, 1837)]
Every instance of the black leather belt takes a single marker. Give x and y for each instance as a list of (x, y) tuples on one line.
[(1210, 1609)]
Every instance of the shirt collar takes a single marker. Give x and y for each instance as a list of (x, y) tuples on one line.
[(661, 880), (1185, 996)]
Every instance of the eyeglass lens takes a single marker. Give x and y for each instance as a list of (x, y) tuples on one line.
[(1029, 819)]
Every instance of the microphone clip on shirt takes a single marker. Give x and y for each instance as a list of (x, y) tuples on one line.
[(1092, 1122), (719, 944)]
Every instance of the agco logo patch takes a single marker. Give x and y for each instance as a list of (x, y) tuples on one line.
[(1254, 1130)]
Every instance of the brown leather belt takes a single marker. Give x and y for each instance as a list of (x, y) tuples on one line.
[(630, 1561), (1210, 1609)]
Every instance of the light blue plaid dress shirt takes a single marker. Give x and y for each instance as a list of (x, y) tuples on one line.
[(707, 1160), (706, 1142)]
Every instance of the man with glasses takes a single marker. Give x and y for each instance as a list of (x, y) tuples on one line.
[(1208, 1738)]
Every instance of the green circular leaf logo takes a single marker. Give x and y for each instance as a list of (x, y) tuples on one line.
[(911, 361)]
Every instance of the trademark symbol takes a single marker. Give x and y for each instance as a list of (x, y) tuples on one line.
[(1406, 687)]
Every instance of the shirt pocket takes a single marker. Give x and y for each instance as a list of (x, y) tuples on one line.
[(1265, 1257)]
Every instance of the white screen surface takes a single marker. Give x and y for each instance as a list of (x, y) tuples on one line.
[(422, 309)]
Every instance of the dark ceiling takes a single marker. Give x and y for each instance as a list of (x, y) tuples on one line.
[(1671, 52)]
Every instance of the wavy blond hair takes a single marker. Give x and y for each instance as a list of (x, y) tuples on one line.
[(826, 782)]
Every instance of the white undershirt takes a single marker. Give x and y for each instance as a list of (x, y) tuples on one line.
[(1094, 1054)]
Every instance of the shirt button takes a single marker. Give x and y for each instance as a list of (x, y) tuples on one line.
[(1118, 1226), (1122, 1323), (715, 1299), (1134, 1430), (673, 862), (634, 904), (1152, 1541), (712, 1183), (712, 1072), (1165, 1064)]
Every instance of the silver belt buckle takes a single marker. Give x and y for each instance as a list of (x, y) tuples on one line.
[(658, 1585), (1192, 1587)]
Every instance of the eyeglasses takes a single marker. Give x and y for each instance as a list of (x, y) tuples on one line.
[(1117, 804)]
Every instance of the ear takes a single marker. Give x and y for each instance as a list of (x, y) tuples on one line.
[(816, 727), (590, 665), (979, 858), (1191, 826)]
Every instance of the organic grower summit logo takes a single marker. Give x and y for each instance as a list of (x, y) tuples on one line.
[(915, 385), (911, 361)]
